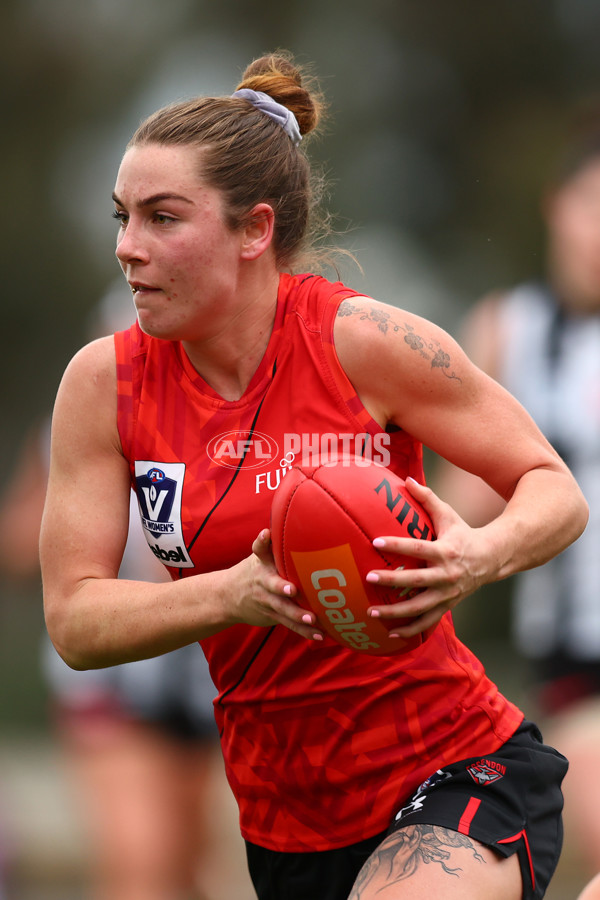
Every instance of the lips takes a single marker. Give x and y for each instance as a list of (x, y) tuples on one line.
[(137, 287)]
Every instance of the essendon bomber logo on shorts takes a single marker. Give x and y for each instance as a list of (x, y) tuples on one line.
[(159, 488), (486, 771)]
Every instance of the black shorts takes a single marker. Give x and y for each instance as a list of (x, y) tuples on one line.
[(509, 800)]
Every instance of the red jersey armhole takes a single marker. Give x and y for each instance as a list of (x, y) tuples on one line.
[(125, 344)]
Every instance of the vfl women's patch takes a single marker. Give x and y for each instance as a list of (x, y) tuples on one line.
[(159, 487)]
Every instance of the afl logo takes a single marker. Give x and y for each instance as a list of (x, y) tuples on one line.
[(232, 448), (156, 475)]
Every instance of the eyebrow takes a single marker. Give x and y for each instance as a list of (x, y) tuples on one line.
[(155, 198)]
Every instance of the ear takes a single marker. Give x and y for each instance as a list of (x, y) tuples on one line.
[(258, 231)]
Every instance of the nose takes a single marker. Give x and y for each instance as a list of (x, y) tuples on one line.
[(130, 246)]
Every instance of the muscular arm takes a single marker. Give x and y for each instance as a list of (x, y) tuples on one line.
[(482, 339), (94, 618), (409, 372)]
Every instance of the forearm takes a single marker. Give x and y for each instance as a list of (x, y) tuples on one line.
[(546, 513), (106, 622)]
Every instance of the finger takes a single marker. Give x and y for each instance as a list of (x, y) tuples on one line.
[(297, 619), (436, 508), (400, 617), (419, 491), (407, 608), (262, 549), (418, 624), (282, 587), (414, 590), (405, 546), (405, 577), (262, 545)]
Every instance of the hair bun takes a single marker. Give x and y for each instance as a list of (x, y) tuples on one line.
[(282, 79)]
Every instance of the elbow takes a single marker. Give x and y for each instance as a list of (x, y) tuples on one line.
[(67, 647), (73, 662), (576, 517), (68, 655), (583, 515), (572, 511)]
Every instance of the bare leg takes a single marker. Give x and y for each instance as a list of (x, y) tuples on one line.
[(592, 890), (576, 733), (424, 861), (141, 795)]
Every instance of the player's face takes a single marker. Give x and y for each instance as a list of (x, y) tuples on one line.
[(574, 229), (178, 255)]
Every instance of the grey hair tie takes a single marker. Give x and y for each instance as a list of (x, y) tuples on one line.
[(276, 111)]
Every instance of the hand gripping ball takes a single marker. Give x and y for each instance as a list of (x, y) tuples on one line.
[(323, 522)]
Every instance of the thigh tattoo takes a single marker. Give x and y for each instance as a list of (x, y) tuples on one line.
[(402, 853)]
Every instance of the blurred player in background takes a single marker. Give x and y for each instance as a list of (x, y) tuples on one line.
[(139, 739), (541, 340)]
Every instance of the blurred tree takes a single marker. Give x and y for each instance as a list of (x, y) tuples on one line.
[(63, 66)]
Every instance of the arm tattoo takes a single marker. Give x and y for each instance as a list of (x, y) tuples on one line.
[(402, 853), (431, 350)]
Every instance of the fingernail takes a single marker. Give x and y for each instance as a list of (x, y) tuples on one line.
[(379, 542), (317, 637), (373, 577), (307, 619), (287, 590), (374, 613), (393, 635)]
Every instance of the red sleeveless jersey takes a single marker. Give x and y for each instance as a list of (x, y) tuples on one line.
[(321, 744)]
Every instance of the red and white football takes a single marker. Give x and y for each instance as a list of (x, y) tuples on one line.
[(323, 522)]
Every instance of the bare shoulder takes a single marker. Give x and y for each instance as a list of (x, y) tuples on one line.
[(409, 372), (365, 321), (91, 373), (382, 347), (399, 362), (95, 361), (86, 402)]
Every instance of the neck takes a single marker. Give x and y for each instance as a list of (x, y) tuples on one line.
[(228, 360)]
